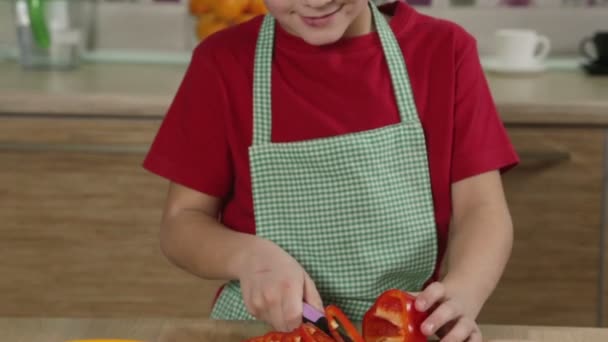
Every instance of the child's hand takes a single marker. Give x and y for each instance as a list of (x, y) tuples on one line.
[(274, 285), (452, 316)]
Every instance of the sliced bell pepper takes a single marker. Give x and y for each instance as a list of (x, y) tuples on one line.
[(294, 336), (393, 317), (311, 333), (274, 336), (340, 325)]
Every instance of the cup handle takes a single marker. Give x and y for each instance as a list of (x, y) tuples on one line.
[(545, 48), (584, 48)]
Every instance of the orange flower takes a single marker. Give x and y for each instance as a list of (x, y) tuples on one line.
[(198, 7), (208, 24), (257, 7), (230, 9), (244, 17)]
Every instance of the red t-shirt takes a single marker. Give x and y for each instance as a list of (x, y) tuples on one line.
[(320, 91)]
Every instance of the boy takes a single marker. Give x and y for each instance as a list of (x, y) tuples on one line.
[(331, 151)]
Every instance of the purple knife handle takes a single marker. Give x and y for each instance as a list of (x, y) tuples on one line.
[(311, 313)]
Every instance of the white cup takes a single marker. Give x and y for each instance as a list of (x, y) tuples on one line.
[(521, 48)]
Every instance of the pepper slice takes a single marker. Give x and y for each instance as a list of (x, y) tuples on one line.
[(393, 317), (274, 336), (294, 336), (311, 333), (340, 325)]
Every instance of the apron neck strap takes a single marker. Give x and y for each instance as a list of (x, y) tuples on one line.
[(262, 99)]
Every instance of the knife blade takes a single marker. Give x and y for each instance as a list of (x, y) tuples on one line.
[(318, 319)]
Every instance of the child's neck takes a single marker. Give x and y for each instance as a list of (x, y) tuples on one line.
[(363, 24)]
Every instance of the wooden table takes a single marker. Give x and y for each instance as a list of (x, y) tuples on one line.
[(180, 330)]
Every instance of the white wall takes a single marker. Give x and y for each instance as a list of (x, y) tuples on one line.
[(166, 27), (7, 30)]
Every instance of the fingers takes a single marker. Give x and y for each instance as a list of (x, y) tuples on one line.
[(444, 330), (263, 301), (445, 313), (432, 295), (273, 312), (253, 299), (276, 303), (476, 336), (291, 304), (464, 330), (447, 316), (274, 287), (311, 294)]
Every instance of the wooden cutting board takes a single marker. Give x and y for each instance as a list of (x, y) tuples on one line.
[(204, 330), (221, 332), (203, 335), (210, 331)]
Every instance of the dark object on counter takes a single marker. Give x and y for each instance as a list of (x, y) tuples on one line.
[(419, 2), (596, 69), (597, 42), (515, 3), (463, 2), (597, 63)]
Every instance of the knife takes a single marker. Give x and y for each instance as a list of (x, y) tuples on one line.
[(318, 319)]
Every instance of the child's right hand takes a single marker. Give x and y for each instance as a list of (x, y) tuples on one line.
[(274, 285)]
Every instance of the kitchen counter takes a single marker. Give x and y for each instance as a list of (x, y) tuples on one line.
[(132, 90), (173, 330), (124, 90)]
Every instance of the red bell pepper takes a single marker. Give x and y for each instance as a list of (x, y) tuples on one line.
[(294, 336), (274, 336), (304, 333), (393, 317), (311, 333), (336, 319)]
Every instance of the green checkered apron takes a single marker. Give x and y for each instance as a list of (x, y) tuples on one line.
[(355, 210)]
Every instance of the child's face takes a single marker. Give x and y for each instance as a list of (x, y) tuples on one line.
[(320, 22)]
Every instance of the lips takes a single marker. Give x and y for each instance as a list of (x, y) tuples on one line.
[(320, 21)]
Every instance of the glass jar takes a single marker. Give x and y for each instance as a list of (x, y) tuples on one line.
[(50, 32)]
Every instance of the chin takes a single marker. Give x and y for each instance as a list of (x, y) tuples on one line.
[(321, 38)]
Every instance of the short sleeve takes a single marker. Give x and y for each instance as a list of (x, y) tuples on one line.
[(191, 146), (481, 142)]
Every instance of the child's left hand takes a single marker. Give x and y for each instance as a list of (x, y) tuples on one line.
[(452, 314)]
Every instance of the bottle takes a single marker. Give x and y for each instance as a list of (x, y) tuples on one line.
[(45, 36)]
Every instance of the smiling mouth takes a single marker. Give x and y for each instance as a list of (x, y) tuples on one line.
[(320, 21), (324, 16)]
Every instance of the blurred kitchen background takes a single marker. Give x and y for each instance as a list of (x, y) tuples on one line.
[(165, 28), (79, 216)]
